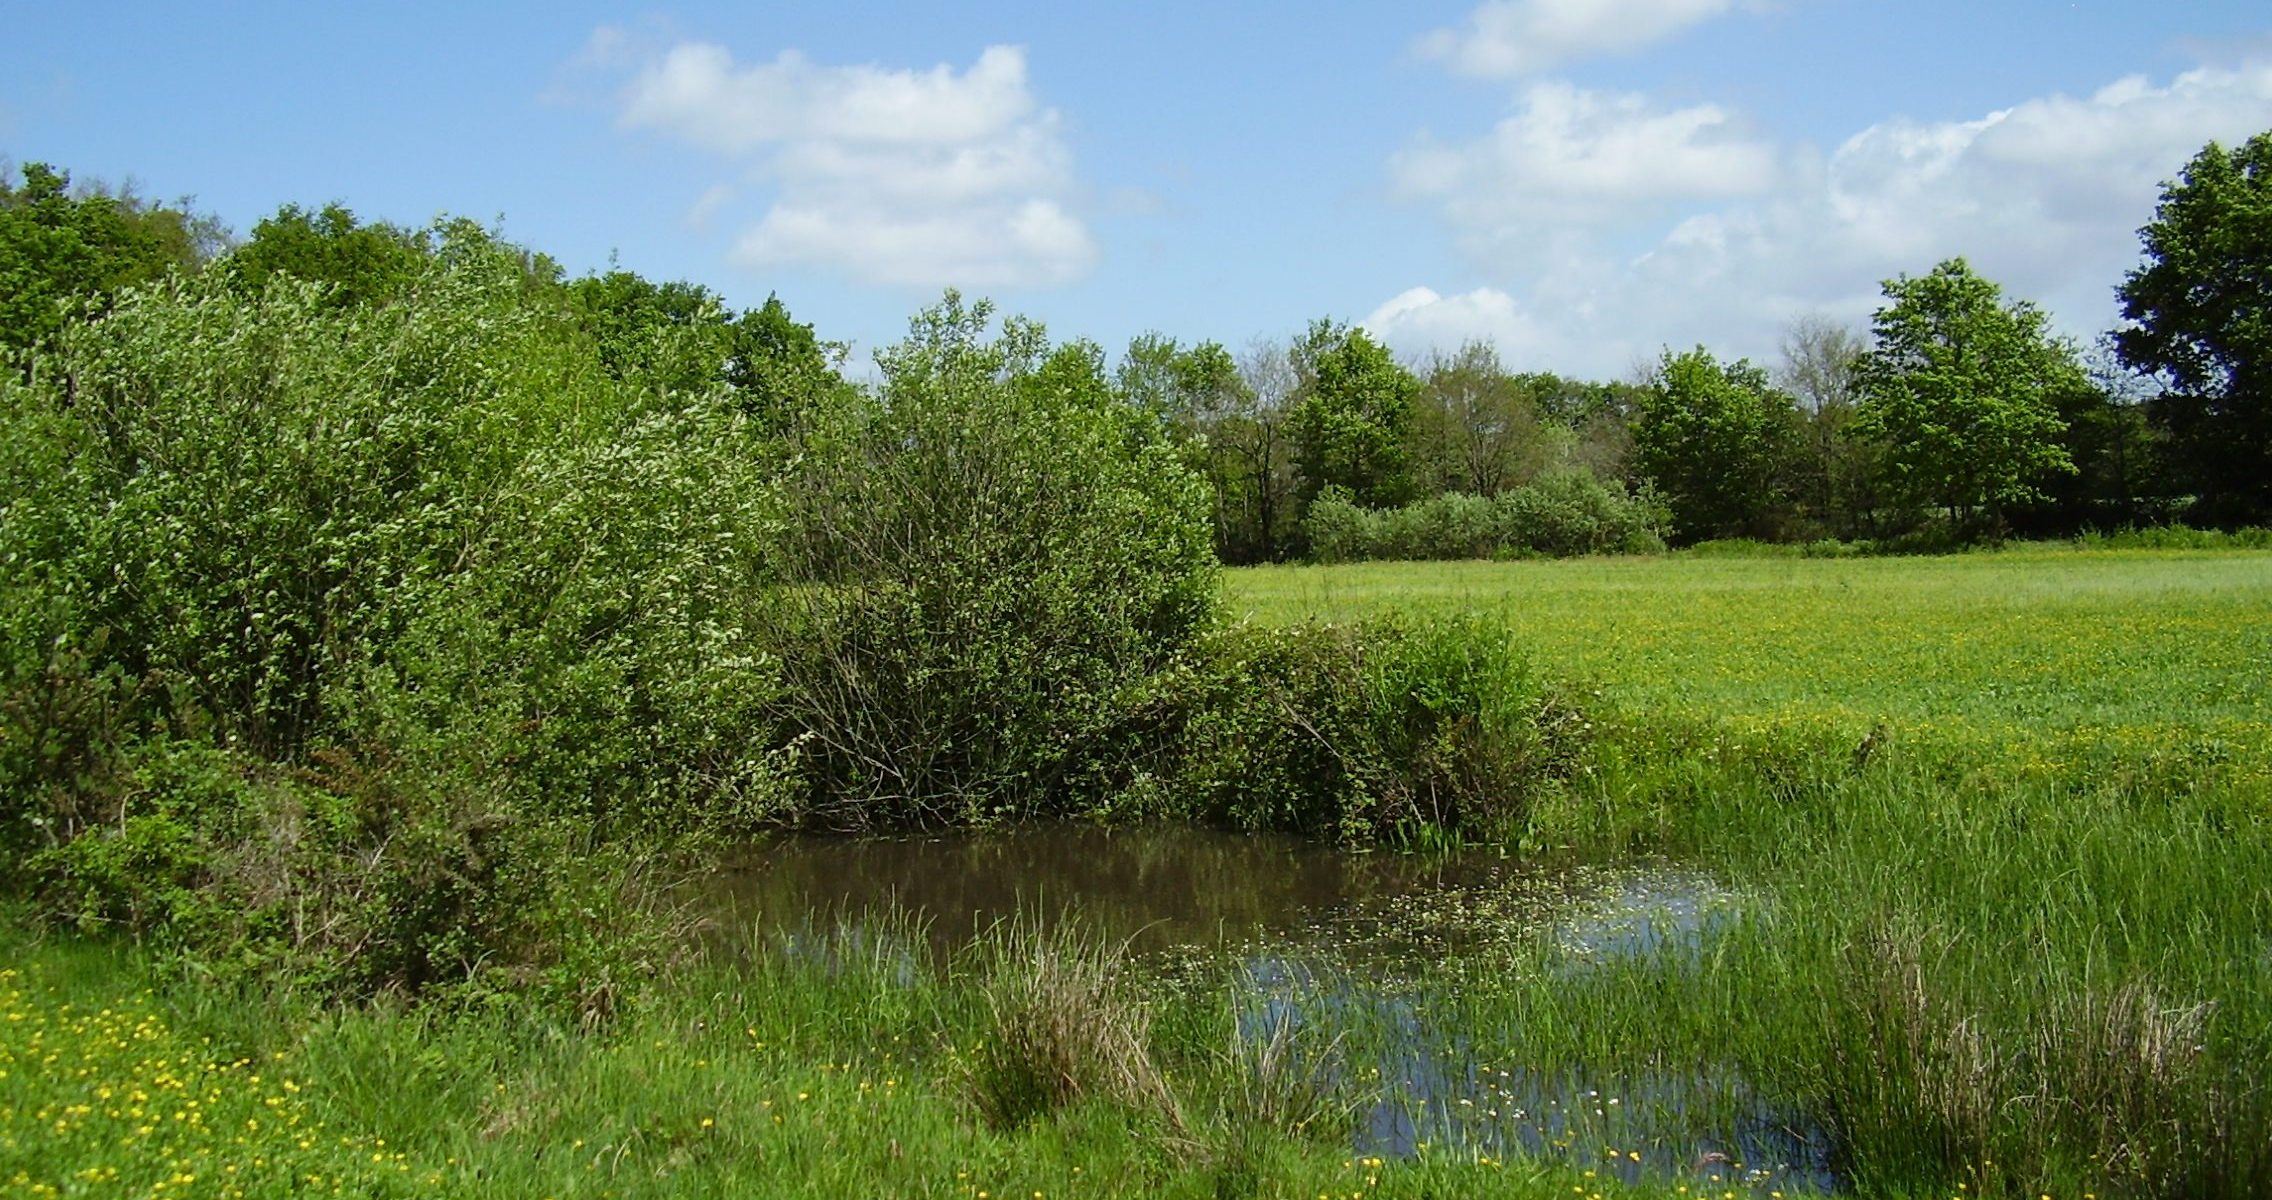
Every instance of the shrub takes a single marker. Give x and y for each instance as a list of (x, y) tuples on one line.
[(2177, 537), (1560, 515), (1337, 529), (378, 610), (988, 558), (1572, 512), (1365, 732), (1449, 526)]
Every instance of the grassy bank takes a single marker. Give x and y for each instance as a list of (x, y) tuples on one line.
[(854, 1071), (1995, 825), (2005, 819)]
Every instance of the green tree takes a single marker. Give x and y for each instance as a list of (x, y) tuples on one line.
[(362, 263), (1957, 394), (986, 562), (60, 251), (670, 335), (1475, 427), (1352, 426), (778, 368), (1717, 439), (1250, 456), (2200, 313), (2112, 445), (1831, 477)]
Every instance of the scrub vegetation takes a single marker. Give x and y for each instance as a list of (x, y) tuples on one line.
[(390, 626)]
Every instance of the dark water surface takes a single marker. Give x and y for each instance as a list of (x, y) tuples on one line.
[(1159, 887), (1335, 941)]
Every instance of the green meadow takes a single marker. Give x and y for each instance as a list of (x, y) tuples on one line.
[(2032, 657)]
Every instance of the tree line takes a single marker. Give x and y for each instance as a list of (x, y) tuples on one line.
[(1955, 416)]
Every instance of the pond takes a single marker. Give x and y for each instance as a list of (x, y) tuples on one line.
[(1355, 946)]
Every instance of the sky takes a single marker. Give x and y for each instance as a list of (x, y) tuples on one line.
[(1582, 183)]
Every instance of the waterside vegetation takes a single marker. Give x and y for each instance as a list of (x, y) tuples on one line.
[(389, 625)]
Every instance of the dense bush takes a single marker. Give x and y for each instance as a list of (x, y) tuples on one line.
[(426, 558), (344, 638), (989, 557), (1560, 514), (2178, 537), (1361, 733)]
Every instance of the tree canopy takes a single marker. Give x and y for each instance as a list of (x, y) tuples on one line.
[(2200, 309), (1715, 437), (1352, 426), (62, 247), (1957, 393)]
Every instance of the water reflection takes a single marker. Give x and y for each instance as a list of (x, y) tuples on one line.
[(1341, 949), (1157, 887)]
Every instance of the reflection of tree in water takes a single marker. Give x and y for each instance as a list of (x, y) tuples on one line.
[(1157, 886)]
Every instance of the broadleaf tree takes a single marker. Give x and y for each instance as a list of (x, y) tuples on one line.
[(1957, 394), (1717, 438), (2200, 313), (1352, 426), (65, 247)]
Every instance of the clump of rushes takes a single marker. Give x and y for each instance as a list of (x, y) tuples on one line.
[(2116, 1077), (1060, 1024)]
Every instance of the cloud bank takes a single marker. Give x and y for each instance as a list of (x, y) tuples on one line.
[(898, 176), (1739, 235), (1508, 38)]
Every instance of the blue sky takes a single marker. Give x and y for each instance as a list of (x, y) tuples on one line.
[(1579, 181)]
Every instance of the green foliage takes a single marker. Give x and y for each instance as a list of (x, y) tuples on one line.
[(429, 550), (663, 335), (1832, 472), (1957, 392), (1352, 425), (1367, 732), (1561, 514), (1476, 428), (985, 560), (63, 254), (1717, 440), (777, 368), (2201, 320), (679, 337), (361, 264), (344, 880), (1183, 389)]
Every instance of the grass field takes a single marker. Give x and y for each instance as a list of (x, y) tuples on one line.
[(2029, 654)]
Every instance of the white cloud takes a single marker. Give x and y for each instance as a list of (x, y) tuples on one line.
[(2045, 197), (1032, 243), (1569, 158), (1419, 317), (1504, 38), (898, 176), (696, 92)]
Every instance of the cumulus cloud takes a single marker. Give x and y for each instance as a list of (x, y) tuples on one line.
[(1505, 38), (2045, 197), (898, 176), (1568, 157), (1420, 317)]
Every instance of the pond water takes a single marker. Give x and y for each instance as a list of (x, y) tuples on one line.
[(1334, 940)]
